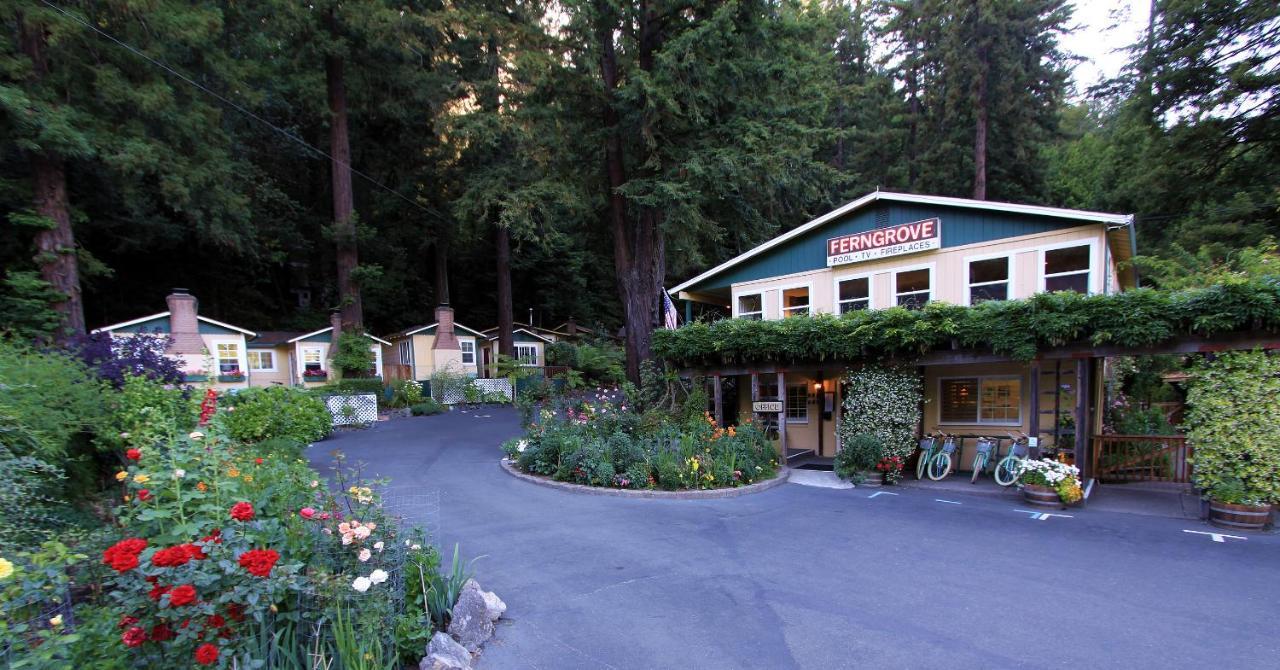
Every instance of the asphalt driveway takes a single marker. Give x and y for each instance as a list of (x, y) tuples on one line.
[(801, 577)]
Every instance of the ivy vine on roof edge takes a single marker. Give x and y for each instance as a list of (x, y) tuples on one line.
[(1019, 329)]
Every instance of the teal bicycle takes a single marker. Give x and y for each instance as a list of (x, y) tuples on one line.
[(1010, 467), (986, 447), (940, 465), (928, 447)]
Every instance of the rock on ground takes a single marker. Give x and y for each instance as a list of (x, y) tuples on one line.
[(470, 622), (493, 604), (444, 653)]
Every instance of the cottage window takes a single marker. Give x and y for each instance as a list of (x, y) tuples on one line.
[(468, 351), (262, 360), (751, 306), (853, 294), (228, 357), (981, 400), (1067, 269), (795, 301), (797, 403), (988, 280), (312, 359), (527, 354), (912, 287)]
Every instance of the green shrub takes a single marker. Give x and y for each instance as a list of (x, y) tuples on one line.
[(427, 407), (1232, 404), (562, 353), (1139, 421), (407, 393), (857, 455), (883, 402), (259, 414), (602, 363), (29, 490), (56, 397), (145, 411), (352, 355)]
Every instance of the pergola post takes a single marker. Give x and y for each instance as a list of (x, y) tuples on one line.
[(782, 416), (755, 397), (1034, 424), (1084, 388), (719, 405)]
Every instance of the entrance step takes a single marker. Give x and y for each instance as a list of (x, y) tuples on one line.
[(818, 478)]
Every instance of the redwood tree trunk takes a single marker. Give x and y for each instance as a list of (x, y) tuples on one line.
[(344, 231), (980, 128), (56, 245), (442, 264), (502, 253)]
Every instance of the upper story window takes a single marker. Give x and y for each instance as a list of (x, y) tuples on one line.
[(912, 288), (751, 306), (853, 294), (468, 351), (988, 280), (1067, 268), (795, 301)]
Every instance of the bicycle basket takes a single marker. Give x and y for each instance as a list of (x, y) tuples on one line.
[(949, 446), (985, 446), (926, 444), (1019, 450)]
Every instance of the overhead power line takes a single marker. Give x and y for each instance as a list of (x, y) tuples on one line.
[(240, 108)]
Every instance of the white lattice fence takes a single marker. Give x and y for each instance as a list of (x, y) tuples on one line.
[(456, 393), (352, 410), (489, 386)]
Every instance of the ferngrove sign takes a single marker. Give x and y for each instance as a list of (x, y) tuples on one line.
[(906, 238)]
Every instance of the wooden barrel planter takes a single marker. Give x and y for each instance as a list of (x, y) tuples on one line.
[(1239, 517), (1041, 496), (872, 478)]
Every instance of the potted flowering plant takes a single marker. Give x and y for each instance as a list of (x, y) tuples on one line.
[(1234, 505), (315, 375), (1049, 483), (890, 467), (231, 374)]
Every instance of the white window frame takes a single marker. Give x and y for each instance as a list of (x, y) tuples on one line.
[(835, 290), (241, 362), (404, 349), (462, 346), (968, 287), (377, 359), (737, 314), (529, 346), (1091, 283), (977, 419), (302, 357), (787, 405), (933, 283), (270, 352), (783, 310)]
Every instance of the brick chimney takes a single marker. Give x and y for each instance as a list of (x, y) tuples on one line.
[(335, 322), (445, 338), (184, 329)]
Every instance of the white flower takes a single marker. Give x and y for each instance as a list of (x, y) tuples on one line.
[(179, 473), (196, 435), (364, 555), (378, 545), (378, 576), (361, 584), (520, 446), (416, 547), (315, 483), (56, 621)]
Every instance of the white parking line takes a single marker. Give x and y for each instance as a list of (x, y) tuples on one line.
[(881, 493), (1217, 537), (949, 502), (1043, 516)]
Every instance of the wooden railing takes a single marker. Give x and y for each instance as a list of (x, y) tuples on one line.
[(393, 372), (1141, 458)]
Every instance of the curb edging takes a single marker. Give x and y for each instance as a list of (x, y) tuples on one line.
[(702, 494)]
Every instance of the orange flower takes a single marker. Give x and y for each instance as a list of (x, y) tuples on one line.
[(202, 487)]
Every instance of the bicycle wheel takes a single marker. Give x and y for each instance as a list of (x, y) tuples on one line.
[(921, 463), (1006, 471), (940, 466), (979, 464)]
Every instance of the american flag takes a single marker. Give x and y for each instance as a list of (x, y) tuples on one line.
[(670, 320)]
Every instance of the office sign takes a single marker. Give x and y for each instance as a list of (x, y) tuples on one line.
[(907, 238), (766, 407)]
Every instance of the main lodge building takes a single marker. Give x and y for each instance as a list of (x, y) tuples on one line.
[(892, 249)]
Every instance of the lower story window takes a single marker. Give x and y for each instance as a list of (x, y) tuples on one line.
[(797, 403), (405, 349), (312, 359), (264, 361), (468, 352), (228, 358), (981, 400), (527, 354)]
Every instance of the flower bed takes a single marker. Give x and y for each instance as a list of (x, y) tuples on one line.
[(603, 443)]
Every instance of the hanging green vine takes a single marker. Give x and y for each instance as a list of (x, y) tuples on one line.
[(1233, 404)]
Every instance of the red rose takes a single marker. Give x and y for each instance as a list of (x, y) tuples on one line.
[(126, 621), (144, 495), (207, 654), (196, 552), (123, 555), (215, 621), (157, 591), (171, 557), (133, 454), (134, 637), (182, 595), (259, 562), (213, 538), (235, 611), (258, 460), (242, 511), (162, 632)]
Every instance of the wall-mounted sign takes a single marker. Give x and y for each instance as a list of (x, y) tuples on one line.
[(766, 407), (907, 238)]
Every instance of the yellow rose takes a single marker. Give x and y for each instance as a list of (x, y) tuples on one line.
[(248, 479), (141, 478), (233, 472), (6, 568), (56, 621), (121, 476)]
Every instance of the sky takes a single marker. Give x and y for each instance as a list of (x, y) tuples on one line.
[(1104, 29)]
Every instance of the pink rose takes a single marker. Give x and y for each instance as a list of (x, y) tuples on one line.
[(324, 516), (306, 512)]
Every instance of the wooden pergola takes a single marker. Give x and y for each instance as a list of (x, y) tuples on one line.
[(1082, 360)]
